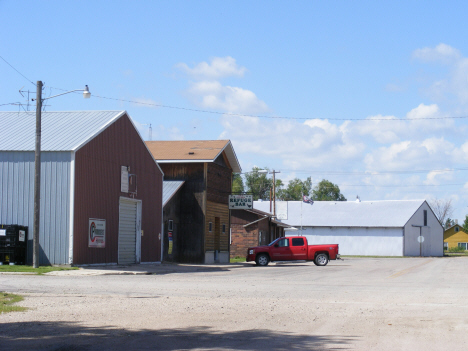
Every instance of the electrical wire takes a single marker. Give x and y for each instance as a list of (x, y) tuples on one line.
[(30, 81), (271, 117)]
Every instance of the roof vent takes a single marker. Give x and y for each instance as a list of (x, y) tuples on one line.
[(191, 153), (358, 199)]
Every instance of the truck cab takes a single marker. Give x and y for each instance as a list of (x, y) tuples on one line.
[(293, 248)]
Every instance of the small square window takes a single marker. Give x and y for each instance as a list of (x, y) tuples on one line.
[(462, 246), (210, 227)]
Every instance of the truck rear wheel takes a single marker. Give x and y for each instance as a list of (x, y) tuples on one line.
[(262, 260), (321, 259)]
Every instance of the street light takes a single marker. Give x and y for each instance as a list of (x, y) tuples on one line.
[(37, 165)]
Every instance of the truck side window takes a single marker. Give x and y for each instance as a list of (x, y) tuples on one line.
[(283, 242), (298, 242)]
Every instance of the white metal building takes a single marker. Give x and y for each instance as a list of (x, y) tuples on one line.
[(380, 228)]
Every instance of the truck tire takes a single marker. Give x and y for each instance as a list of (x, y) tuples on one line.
[(262, 260), (321, 259)]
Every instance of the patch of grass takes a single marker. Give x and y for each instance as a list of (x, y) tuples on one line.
[(456, 249), (40, 270), (7, 301), (237, 259), (456, 254)]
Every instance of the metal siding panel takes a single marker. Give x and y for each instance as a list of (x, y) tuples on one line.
[(17, 200), (97, 192)]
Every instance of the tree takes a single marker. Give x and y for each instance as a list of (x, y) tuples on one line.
[(465, 224), (258, 184), (327, 191), (442, 209), (237, 184), (295, 190), (448, 223)]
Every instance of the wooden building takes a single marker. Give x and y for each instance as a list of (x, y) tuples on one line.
[(253, 228), (101, 190), (206, 166), (454, 237)]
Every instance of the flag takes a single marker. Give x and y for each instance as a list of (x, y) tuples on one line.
[(307, 200)]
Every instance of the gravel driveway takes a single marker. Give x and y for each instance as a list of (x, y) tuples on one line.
[(355, 304)]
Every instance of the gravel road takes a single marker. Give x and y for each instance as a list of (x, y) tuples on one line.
[(355, 304)]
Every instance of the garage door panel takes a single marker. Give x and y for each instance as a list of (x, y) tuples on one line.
[(127, 231)]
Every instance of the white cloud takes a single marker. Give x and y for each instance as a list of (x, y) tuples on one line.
[(219, 67), (207, 92), (441, 53), (213, 95), (456, 84)]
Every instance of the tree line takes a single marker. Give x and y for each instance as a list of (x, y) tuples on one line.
[(260, 184)]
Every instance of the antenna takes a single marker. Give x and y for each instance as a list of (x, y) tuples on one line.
[(150, 131)]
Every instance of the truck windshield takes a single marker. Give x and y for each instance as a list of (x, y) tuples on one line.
[(273, 242)]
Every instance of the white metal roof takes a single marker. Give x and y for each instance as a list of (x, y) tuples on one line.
[(60, 131), (170, 187), (381, 214)]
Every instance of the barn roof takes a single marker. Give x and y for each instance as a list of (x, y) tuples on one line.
[(60, 131), (170, 187), (380, 214), (186, 151)]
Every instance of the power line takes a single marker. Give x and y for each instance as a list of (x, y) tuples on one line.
[(30, 81), (271, 117)]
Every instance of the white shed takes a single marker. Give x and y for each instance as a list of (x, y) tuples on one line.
[(380, 228)]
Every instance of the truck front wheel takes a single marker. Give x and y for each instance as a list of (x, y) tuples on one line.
[(321, 259), (262, 260)]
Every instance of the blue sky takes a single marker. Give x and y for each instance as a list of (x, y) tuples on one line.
[(329, 66)]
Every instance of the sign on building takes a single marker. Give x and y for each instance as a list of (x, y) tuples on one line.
[(97, 233), (240, 202)]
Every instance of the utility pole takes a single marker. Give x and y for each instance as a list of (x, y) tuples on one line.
[(274, 191), (37, 176)]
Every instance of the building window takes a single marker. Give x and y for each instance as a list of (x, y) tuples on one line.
[(463, 246), (210, 227), (170, 225), (446, 246), (224, 228), (425, 218), (457, 229)]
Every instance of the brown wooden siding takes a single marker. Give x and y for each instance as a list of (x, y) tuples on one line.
[(97, 192), (218, 183), (215, 210), (190, 244)]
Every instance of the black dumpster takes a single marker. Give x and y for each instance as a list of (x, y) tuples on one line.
[(13, 243)]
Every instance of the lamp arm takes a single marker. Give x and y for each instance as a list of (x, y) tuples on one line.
[(71, 91)]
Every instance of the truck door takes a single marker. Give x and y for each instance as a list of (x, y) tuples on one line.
[(281, 251), (299, 249)]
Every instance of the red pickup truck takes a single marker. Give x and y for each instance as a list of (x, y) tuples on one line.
[(293, 248)]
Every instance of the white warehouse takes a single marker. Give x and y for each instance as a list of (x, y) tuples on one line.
[(369, 228)]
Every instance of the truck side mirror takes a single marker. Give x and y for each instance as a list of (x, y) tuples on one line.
[(276, 245)]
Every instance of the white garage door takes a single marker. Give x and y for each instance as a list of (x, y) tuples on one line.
[(127, 231)]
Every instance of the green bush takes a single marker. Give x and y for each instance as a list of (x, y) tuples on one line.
[(456, 249)]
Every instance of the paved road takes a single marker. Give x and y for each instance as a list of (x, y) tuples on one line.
[(355, 304)]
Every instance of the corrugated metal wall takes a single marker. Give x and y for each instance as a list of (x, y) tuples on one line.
[(97, 192), (17, 200)]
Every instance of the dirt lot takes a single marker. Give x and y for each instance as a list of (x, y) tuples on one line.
[(355, 304)]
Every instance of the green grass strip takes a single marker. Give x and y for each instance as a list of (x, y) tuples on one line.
[(30, 269), (8, 300)]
